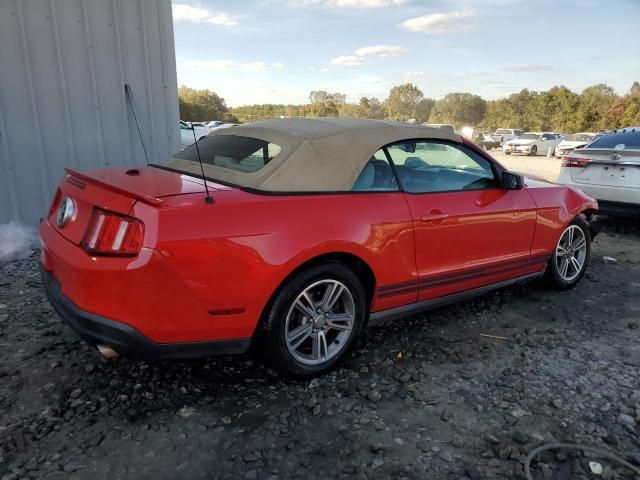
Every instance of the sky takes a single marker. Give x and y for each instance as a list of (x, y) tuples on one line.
[(277, 51)]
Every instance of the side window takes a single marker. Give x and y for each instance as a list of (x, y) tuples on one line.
[(433, 166), (376, 176), (548, 136)]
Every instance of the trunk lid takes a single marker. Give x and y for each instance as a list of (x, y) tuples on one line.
[(116, 190), (607, 167)]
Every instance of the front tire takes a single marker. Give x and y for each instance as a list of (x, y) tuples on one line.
[(534, 151), (569, 261), (315, 319)]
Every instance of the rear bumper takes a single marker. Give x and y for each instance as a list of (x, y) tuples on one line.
[(619, 208), (126, 340), (612, 200)]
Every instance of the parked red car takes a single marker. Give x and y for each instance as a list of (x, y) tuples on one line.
[(310, 230)]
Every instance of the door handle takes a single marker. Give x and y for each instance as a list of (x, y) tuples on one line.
[(434, 217)]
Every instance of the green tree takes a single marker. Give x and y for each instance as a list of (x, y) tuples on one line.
[(595, 101), (459, 109), (630, 116), (201, 105), (325, 104), (404, 102), (371, 107)]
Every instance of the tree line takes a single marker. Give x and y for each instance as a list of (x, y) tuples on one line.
[(558, 109)]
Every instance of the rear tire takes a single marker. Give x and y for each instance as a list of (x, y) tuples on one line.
[(314, 320), (570, 258)]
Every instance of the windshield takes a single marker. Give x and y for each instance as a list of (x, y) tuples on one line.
[(233, 152), (529, 136), (503, 131), (625, 139)]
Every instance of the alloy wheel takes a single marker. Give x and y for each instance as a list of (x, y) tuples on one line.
[(571, 253), (319, 322)]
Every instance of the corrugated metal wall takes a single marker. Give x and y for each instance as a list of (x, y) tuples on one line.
[(63, 67)]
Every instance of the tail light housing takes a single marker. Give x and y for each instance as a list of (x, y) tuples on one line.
[(575, 162), (55, 203), (111, 233)]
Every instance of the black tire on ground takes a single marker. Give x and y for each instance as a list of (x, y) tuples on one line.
[(275, 344), (534, 151), (553, 275), (507, 152)]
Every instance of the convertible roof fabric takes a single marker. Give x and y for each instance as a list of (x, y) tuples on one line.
[(318, 155)]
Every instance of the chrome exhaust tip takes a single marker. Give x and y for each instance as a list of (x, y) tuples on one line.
[(107, 352)]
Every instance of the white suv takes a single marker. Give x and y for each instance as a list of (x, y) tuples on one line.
[(502, 135), (608, 169)]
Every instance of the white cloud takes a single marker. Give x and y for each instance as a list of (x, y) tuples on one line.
[(414, 74), (436, 23), (347, 60), (318, 69), (351, 3), (253, 66), (210, 64), (188, 13), (377, 50), (380, 50), (530, 68), (229, 65)]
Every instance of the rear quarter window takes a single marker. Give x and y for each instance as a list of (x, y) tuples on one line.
[(623, 140), (234, 152)]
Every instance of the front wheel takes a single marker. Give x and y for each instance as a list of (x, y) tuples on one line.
[(534, 151), (571, 257), (315, 319)]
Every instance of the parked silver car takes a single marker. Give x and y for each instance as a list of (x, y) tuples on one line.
[(607, 169)]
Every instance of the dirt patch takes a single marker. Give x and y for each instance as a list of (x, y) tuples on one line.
[(424, 397)]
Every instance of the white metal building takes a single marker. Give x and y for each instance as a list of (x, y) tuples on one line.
[(63, 69)]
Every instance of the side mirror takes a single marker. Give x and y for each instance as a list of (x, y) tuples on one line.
[(512, 181)]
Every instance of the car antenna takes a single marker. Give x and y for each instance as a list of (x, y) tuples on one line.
[(127, 93), (208, 198)]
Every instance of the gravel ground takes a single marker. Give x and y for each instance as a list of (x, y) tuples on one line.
[(541, 166), (427, 397)]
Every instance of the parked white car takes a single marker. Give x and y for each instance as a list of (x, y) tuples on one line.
[(215, 124), (577, 140), (186, 133), (532, 143), (502, 135), (608, 169)]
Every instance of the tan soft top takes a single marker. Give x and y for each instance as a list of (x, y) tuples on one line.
[(318, 155)]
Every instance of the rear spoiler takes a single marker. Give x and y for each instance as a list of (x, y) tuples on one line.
[(148, 199)]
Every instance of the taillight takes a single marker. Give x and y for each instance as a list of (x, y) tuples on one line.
[(110, 233), (575, 162)]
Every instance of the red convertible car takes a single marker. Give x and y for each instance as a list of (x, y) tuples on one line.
[(305, 231)]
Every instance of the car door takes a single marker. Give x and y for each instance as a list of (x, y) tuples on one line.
[(468, 230)]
